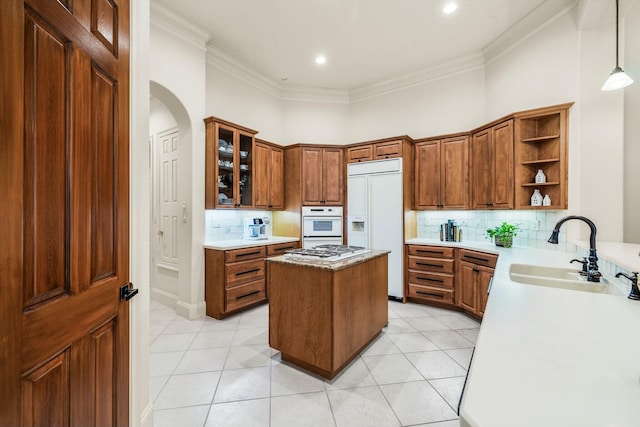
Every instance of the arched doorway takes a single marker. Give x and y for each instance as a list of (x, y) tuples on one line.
[(170, 142)]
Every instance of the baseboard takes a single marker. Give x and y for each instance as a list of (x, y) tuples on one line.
[(191, 311), (164, 297), (146, 420)]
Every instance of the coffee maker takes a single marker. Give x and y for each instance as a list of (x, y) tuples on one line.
[(255, 229)]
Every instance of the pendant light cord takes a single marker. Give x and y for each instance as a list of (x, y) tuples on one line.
[(617, 32)]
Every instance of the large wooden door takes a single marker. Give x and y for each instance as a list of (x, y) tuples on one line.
[(455, 173), (502, 139), (312, 176), (332, 168), (481, 167), (64, 344), (427, 181)]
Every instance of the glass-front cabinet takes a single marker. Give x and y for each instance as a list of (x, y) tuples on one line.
[(229, 172)]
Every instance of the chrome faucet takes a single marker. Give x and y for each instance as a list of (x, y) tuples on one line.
[(593, 275)]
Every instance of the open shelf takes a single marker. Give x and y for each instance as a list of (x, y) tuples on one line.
[(539, 184), (539, 161), (541, 144), (540, 138)]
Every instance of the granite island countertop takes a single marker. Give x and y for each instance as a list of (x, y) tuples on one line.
[(329, 265), (551, 357)]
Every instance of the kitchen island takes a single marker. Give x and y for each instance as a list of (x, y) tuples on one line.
[(322, 314)]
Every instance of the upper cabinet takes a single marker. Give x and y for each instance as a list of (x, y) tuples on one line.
[(492, 180), (268, 175), (441, 173), (541, 144), (322, 176), (229, 165), (375, 150)]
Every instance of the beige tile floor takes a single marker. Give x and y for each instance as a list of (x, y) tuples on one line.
[(222, 373)]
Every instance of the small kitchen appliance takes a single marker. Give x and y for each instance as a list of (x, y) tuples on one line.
[(255, 229), (321, 226)]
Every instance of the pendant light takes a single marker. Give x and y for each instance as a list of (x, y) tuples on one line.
[(618, 78)]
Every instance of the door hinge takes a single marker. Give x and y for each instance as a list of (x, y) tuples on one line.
[(127, 292)]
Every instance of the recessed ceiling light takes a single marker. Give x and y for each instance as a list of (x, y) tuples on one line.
[(320, 59), (449, 8)]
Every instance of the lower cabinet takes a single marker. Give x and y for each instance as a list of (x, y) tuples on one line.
[(236, 279), (451, 277), (430, 274)]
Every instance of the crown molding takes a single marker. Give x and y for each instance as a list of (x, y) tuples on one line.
[(234, 67), (167, 20), (537, 19), (312, 94), (442, 71)]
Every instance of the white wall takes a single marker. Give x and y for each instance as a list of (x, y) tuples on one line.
[(446, 105), (177, 64), (315, 122), (631, 64), (233, 99)]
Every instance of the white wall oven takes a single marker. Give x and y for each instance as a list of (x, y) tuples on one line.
[(321, 226)]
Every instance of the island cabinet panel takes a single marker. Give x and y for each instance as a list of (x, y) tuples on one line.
[(321, 318)]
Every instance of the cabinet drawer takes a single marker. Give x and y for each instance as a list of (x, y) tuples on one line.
[(387, 150), (431, 251), (430, 279), (281, 248), (430, 293), (241, 295), (438, 265), (245, 254), (360, 153), (241, 272), (479, 258)]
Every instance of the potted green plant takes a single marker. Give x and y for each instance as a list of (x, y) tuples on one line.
[(503, 234)]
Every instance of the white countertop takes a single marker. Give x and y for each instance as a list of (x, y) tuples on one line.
[(224, 245), (551, 357), (625, 255)]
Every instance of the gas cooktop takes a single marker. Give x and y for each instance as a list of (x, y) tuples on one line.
[(327, 252)]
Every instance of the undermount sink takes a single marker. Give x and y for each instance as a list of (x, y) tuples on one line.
[(565, 278)]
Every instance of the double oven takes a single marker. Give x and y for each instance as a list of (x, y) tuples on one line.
[(321, 226)]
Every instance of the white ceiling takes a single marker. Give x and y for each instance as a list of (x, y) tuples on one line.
[(366, 42)]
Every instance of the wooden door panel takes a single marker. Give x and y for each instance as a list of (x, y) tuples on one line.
[(427, 183), (276, 189), (332, 176), (455, 166), (43, 386), (45, 148), (481, 167), (503, 165), (311, 176), (261, 176), (64, 332)]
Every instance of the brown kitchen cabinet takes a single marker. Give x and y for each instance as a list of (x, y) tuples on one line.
[(229, 179), (541, 141), (268, 175), (235, 279), (430, 274), (322, 181), (491, 164), (475, 271), (375, 150), (442, 173)]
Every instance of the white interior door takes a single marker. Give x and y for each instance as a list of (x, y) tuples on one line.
[(169, 206)]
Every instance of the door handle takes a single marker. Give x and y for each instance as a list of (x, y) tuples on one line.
[(127, 292)]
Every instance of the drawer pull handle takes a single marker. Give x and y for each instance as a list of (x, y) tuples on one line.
[(430, 265), (430, 294), (248, 253), (476, 258), (255, 270), (284, 248), (247, 295), (429, 252), (429, 279)]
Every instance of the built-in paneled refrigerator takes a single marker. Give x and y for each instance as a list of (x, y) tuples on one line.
[(375, 213)]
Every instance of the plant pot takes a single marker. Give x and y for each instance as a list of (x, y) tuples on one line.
[(504, 241)]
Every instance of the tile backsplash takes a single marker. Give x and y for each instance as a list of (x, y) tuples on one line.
[(535, 226), (223, 224)]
